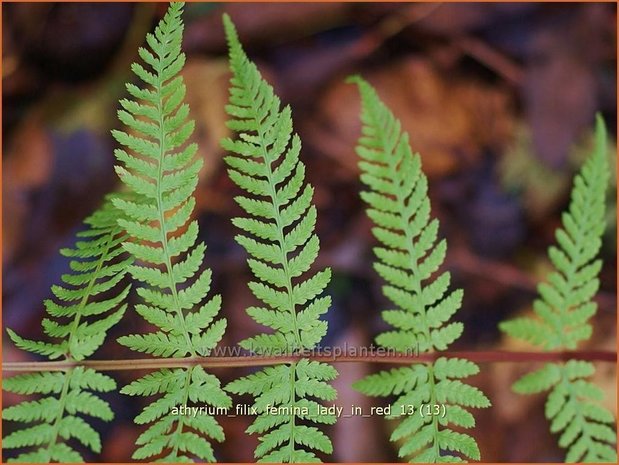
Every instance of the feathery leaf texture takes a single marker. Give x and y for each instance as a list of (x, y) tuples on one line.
[(161, 169), (57, 416), (565, 304), (80, 315), (79, 318), (278, 235), (409, 256), (562, 313)]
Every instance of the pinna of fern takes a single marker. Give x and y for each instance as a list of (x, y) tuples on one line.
[(79, 320), (278, 235), (408, 258), (562, 315), (161, 169)]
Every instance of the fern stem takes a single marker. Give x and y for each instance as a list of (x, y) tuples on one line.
[(179, 427), (495, 356), (162, 222), (435, 425), (87, 295), (293, 378), (62, 400)]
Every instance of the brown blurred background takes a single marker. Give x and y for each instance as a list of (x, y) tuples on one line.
[(499, 100)]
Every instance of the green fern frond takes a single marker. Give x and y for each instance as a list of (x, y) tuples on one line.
[(79, 319), (158, 165), (54, 415), (566, 305), (563, 312), (409, 257), (279, 237), (58, 415)]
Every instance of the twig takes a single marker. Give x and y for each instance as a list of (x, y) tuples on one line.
[(491, 58), (257, 360)]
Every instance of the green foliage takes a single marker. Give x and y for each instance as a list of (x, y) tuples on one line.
[(174, 432), (161, 169), (562, 314), (66, 397), (280, 240), (566, 304), (408, 259), (284, 395), (79, 319)]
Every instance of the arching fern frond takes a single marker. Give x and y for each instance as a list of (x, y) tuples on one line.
[(562, 314), (79, 319), (159, 166), (409, 256), (278, 235)]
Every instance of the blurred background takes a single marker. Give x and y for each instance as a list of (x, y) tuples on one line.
[(499, 99)]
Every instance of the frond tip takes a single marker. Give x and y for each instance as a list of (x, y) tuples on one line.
[(160, 168), (565, 304), (409, 256), (278, 234), (563, 312), (79, 317)]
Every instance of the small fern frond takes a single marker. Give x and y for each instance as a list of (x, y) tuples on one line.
[(58, 415), (409, 256), (79, 317), (158, 165), (562, 318), (586, 428), (565, 304), (279, 237)]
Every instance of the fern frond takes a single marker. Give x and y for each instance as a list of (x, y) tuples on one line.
[(565, 304), (279, 237), (409, 257), (79, 316), (158, 165), (78, 319), (57, 416), (563, 311)]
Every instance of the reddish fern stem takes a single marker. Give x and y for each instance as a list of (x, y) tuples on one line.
[(495, 356)]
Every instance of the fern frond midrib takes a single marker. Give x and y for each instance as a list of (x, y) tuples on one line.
[(280, 227), (181, 422), (293, 378), (162, 222), (87, 295), (63, 400)]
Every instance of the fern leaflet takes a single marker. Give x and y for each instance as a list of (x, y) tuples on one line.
[(79, 319), (161, 169), (408, 256), (279, 237), (563, 311)]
